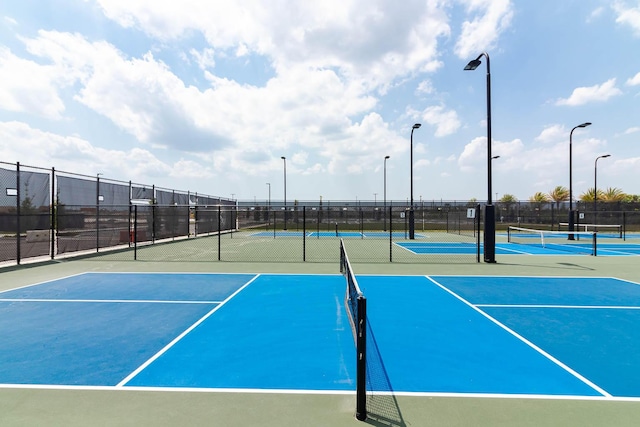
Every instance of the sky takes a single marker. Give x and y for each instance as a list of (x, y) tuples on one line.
[(208, 95)]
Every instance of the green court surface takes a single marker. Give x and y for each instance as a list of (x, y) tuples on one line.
[(78, 406)]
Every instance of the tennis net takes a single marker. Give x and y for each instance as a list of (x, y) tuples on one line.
[(356, 304), (604, 230), (579, 242)]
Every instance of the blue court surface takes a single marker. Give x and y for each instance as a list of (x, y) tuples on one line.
[(454, 248), (550, 336), (342, 234)]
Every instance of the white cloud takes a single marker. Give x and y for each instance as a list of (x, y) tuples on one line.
[(425, 87), (71, 153), (491, 18), (28, 87), (446, 122), (596, 13), (596, 93), (474, 154), (628, 15), (372, 48), (634, 81), (632, 130), (552, 133), (205, 59)]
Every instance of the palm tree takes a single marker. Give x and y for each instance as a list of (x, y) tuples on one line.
[(558, 195), (537, 200), (612, 194), (540, 197), (587, 196)]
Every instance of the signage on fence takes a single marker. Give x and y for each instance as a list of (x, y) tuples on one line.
[(471, 213)]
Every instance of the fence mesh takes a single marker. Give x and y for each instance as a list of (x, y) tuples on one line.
[(49, 213)]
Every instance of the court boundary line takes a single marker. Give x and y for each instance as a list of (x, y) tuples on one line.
[(524, 340), (119, 389), (183, 334), (107, 301), (42, 283), (585, 307)]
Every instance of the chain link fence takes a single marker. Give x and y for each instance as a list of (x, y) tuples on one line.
[(46, 213), (49, 214)]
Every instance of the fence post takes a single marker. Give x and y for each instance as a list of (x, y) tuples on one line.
[(53, 214), (219, 232), (18, 225), (390, 234), (135, 233), (304, 233)]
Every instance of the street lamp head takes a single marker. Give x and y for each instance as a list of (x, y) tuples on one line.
[(387, 157), (416, 126), (605, 156), (584, 125), (283, 158), (495, 157), (473, 64)]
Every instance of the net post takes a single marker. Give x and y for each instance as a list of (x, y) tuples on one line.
[(595, 244), (361, 387)]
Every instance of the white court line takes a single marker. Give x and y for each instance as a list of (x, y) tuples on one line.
[(108, 301), (41, 283), (524, 340), (499, 246), (586, 307), (183, 334), (118, 389)]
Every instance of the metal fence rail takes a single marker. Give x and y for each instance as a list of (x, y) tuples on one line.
[(50, 213)]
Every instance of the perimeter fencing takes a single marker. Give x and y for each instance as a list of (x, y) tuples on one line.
[(46, 213), (50, 214), (309, 234)]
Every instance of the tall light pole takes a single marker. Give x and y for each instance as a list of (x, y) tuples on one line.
[(572, 214), (595, 187), (385, 192), (489, 210), (412, 224), (285, 191)]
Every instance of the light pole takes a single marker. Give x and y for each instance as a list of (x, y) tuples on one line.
[(572, 214), (285, 191), (385, 192), (412, 224), (489, 210), (595, 188)]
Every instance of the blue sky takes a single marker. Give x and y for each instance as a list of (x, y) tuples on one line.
[(207, 95)]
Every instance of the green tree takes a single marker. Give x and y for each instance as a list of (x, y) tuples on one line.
[(540, 198), (612, 194), (587, 196), (558, 195)]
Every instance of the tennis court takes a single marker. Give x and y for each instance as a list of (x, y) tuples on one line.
[(434, 334), (528, 341), (341, 234)]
